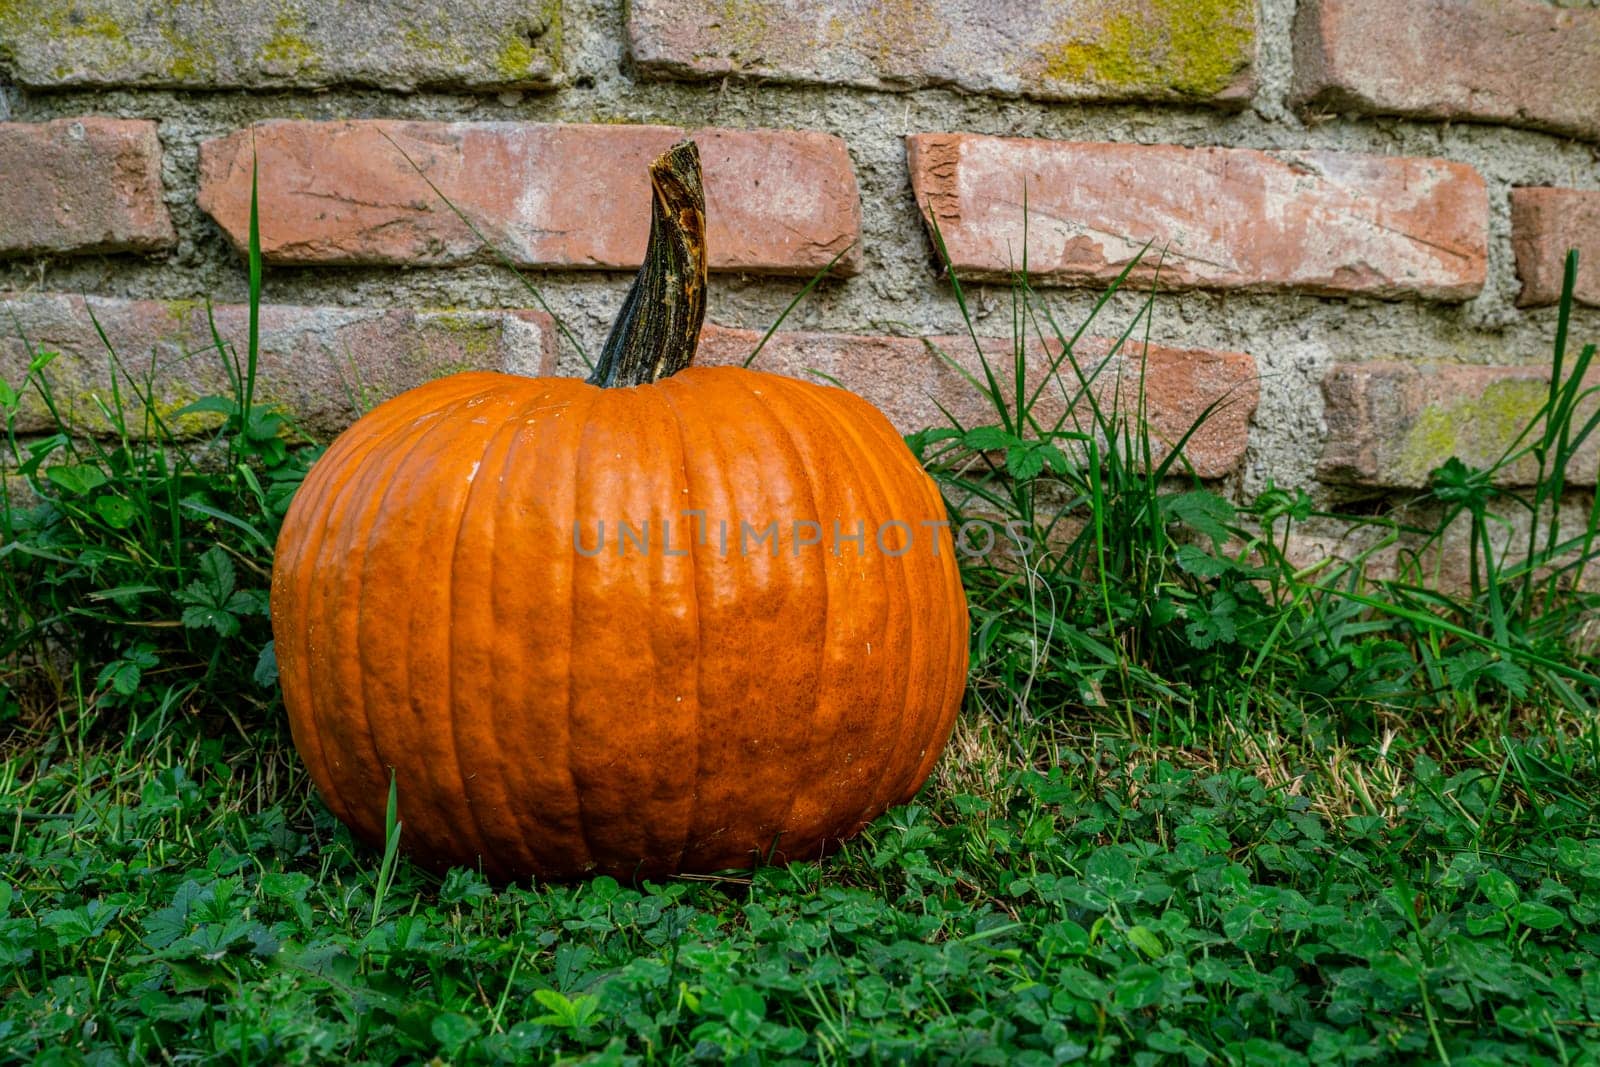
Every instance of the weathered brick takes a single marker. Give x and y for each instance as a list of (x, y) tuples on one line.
[(1545, 224), (1391, 423), (398, 44), (777, 201), (906, 378), (325, 364), (1519, 62), (1054, 50), (1444, 563), (90, 184), (1225, 218)]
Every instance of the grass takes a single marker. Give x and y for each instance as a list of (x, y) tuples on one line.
[(1202, 807), (138, 562), (192, 901)]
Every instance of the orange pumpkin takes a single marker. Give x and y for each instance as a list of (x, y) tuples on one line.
[(667, 620)]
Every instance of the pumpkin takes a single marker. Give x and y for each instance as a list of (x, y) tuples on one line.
[(606, 626)]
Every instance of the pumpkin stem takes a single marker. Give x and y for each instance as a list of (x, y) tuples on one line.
[(659, 326)]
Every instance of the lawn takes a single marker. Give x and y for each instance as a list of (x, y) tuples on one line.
[(1203, 805)]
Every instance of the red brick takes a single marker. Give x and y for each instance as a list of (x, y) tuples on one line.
[(88, 184), (1519, 62), (909, 382), (1391, 423), (1226, 218), (326, 364), (1545, 223), (1059, 50), (777, 201)]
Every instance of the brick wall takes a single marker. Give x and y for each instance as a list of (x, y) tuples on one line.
[(1360, 207)]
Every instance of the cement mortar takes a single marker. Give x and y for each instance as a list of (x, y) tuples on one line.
[(1293, 338)]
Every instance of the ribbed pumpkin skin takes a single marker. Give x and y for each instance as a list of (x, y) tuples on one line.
[(553, 714)]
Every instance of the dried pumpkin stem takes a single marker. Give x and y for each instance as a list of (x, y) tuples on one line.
[(659, 326)]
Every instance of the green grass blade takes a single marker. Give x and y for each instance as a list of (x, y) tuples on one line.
[(801, 295), (253, 340)]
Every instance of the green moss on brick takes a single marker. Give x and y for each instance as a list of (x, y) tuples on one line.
[(83, 410), (1475, 429), (96, 26), (520, 53), (478, 335), (182, 43), (184, 61), (288, 47), (1196, 47), (1210, 41), (514, 58), (59, 19), (179, 59), (447, 50), (550, 12), (181, 311), (746, 26)]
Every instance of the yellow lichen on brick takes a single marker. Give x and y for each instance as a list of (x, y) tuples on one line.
[(1474, 429), (446, 50), (746, 26), (84, 408), (474, 337), (899, 26), (551, 12), (183, 310), (183, 60), (525, 51), (288, 48), (515, 58), (1194, 47), (59, 18)]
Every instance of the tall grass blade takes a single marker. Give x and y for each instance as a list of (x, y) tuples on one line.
[(801, 295)]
